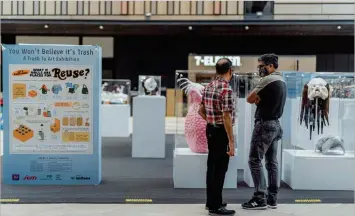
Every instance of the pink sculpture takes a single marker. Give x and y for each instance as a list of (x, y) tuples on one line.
[(195, 125)]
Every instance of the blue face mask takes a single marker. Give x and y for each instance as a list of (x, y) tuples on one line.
[(263, 72)]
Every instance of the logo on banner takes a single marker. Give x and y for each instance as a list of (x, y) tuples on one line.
[(15, 177), (30, 178), (47, 177), (20, 72), (80, 178)]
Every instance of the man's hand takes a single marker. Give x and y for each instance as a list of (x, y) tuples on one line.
[(257, 100), (231, 149), (202, 112)]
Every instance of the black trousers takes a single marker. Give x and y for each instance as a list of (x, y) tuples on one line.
[(217, 164)]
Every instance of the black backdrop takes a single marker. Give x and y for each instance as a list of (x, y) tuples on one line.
[(162, 55)]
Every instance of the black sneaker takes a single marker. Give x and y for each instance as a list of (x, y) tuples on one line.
[(221, 211), (224, 204), (255, 204), (272, 204)]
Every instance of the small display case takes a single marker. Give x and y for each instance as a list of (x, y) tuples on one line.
[(115, 91), (149, 85)]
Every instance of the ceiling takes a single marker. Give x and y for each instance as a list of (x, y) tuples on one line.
[(46, 27)]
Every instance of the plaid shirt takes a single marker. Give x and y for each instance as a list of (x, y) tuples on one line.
[(217, 97)]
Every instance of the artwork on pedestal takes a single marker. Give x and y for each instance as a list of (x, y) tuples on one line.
[(195, 125), (315, 105)]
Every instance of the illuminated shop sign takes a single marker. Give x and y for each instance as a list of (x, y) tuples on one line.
[(212, 60)]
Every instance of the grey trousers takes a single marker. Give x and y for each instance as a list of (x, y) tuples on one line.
[(264, 142)]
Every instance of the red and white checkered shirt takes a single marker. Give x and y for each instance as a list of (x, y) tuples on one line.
[(217, 97)]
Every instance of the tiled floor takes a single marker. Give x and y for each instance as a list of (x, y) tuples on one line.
[(171, 210)]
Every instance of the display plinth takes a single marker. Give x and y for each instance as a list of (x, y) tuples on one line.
[(148, 137), (309, 170), (190, 168), (115, 120), (240, 131)]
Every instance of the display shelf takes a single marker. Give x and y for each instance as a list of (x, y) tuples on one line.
[(309, 170), (149, 85), (115, 120), (190, 169), (115, 91)]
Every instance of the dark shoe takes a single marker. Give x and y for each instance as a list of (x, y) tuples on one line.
[(272, 204), (221, 211), (255, 204), (224, 204)]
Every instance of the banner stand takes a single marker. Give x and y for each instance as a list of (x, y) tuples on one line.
[(51, 114)]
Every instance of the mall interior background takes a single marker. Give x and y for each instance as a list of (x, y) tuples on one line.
[(159, 38)]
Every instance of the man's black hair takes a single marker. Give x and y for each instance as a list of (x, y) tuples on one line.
[(223, 65), (269, 59)]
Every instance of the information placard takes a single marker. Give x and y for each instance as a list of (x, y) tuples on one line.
[(51, 114)]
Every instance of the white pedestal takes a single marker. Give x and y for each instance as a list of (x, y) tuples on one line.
[(148, 137), (190, 168), (308, 170), (240, 131), (115, 120)]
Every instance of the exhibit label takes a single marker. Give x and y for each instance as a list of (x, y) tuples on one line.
[(50, 107)]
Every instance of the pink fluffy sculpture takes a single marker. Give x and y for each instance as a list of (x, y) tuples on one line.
[(195, 125)]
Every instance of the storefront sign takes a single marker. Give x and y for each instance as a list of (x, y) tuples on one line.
[(50, 108), (212, 60)]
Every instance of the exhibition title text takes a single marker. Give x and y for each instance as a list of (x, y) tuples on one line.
[(59, 73), (51, 51)]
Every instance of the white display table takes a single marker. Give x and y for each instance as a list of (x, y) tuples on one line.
[(115, 120), (148, 136), (190, 168), (308, 170)]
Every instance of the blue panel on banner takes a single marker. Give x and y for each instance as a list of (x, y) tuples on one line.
[(51, 114)]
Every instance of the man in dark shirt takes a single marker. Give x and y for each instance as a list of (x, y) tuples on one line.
[(217, 108), (269, 95)]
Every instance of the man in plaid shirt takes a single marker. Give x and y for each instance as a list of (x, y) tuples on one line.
[(217, 108)]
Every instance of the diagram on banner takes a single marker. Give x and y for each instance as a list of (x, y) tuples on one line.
[(51, 109)]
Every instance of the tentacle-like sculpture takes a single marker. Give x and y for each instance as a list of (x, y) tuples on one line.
[(315, 105), (195, 125)]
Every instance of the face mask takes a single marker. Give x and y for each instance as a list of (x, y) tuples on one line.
[(263, 72)]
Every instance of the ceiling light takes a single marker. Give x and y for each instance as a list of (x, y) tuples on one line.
[(339, 27), (246, 27), (101, 27), (190, 28), (45, 26)]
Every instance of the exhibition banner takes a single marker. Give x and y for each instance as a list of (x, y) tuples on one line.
[(51, 114)]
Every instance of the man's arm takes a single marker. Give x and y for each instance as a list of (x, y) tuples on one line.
[(228, 125), (253, 97), (227, 109), (202, 111)]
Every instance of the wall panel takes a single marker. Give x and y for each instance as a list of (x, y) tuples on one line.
[(176, 10), (47, 40), (106, 44)]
